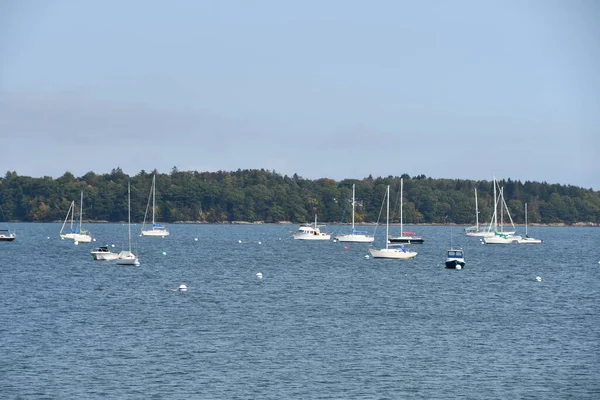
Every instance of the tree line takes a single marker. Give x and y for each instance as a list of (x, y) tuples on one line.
[(267, 196)]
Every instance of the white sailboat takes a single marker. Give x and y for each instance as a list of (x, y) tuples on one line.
[(474, 230), (396, 252), (126, 257), (77, 234), (355, 236), (405, 237), (71, 233), (527, 239), (311, 232), (157, 229), (500, 236)]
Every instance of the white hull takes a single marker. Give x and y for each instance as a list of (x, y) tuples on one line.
[(392, 253), (126, 258), (64, 236), (155, 232), (104, 256), (358, 238), (82, 238), (509, 239), (312, 236), (527, 240), (480, 234)]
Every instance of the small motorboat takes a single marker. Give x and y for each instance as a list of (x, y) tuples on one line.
[(455, 258)]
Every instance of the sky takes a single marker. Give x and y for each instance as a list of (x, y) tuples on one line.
[(324, 89)]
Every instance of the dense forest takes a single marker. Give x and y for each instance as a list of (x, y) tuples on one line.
[(266, 196)]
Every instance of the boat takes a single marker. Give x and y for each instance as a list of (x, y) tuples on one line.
[(71, 233), (157, 229), (77, 233), (311, 232), (126, 257), (103, 253), (455, 258), (527, 239), (404, 237), (355, 236), (500, 236), (396, 252), (474, 230), (6, 235)]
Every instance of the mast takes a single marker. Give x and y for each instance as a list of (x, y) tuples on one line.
[(129, 212), (476, 212), (153, 197), (80, 211), (526, 220), (72, 214), (502, 209), (401, 196), (387, 220), (495, 218), (353, 192)]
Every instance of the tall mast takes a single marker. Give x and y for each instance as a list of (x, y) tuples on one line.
[(526, 220), (476, 211), (353, 192), (401, 196), (80, 211), (129, 211), (495, 208), (387, 221), (153, 197)]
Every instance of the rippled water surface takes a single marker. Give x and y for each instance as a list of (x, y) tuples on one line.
[(323, 323)]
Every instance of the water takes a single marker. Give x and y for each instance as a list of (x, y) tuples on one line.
[(323, 323)]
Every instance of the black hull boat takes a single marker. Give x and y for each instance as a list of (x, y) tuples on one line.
[(455, 259), (406, 239)]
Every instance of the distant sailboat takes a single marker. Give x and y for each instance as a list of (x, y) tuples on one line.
[(527, 239), (405, 237), (77, 234), (474, 230), (127, 257), (355, 236), (157, 229), (397, 252)]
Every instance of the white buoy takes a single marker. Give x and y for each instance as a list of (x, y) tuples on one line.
[(367, 256), (94, 239), (240, 241), (182, 288), (76, 243), (112, 245), (49, 238), (195, 239), (458, 267), (258, 275), (538, 278), (259, 242)]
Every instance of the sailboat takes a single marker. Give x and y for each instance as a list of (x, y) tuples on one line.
[(405, 237), (127, 257), (527, 239), (5, 234), (474, 230), (157, 229), (500, 236), (77, 233), (311, 232), (397, 252), (355, 236)]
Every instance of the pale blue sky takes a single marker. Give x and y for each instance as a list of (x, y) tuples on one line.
[(337, 89)]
